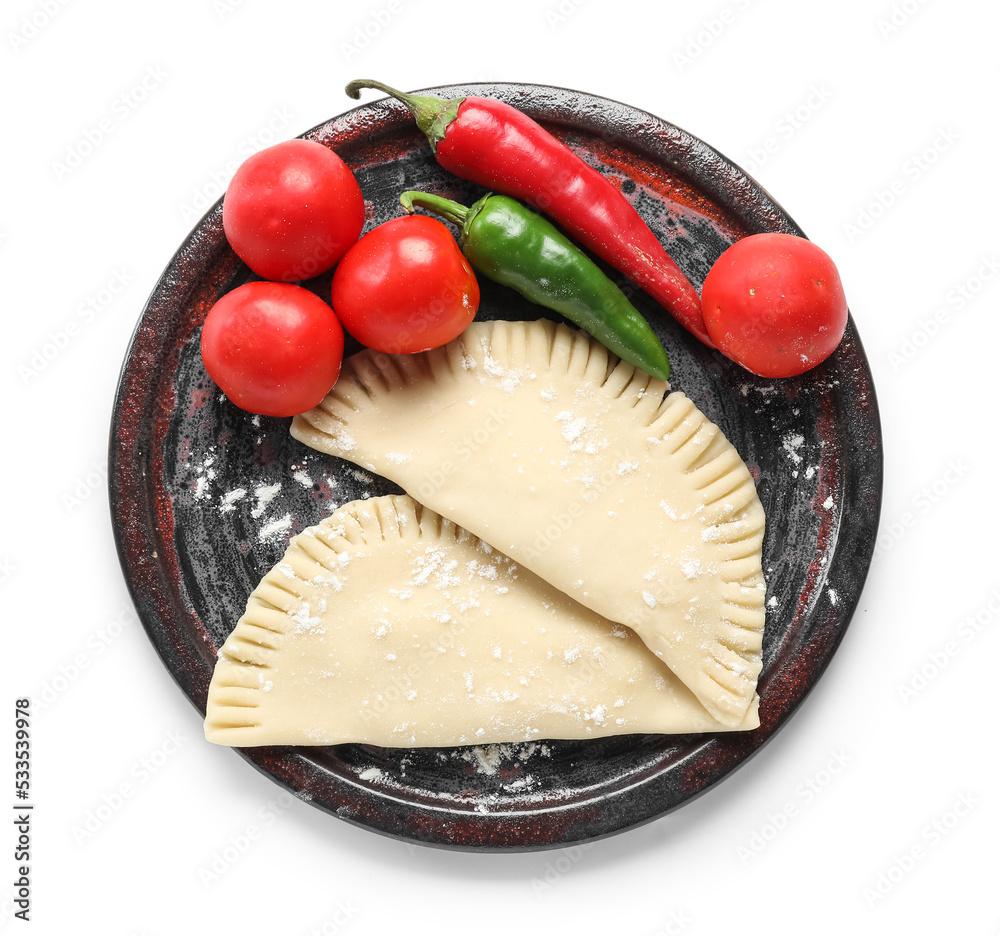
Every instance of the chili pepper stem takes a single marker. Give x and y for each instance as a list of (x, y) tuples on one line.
[(448, 209), (433, 114), (458, 214)]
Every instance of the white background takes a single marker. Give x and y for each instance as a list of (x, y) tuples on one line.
[(883, 122)]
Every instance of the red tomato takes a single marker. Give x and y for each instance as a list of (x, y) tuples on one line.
[(775, 304), (292, 210), (273, 348), (405, 287)]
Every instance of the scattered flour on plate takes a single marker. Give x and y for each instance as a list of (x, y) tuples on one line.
[(791, 443), (489, 758), (229, 499), (265, 493), (205, 475), (275, 528), (362, 476)]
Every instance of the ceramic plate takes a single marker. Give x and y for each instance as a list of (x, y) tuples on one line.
[(204, 496)]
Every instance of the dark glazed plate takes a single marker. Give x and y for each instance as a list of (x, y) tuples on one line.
[(204, 496)]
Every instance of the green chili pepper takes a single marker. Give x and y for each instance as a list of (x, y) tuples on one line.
[(511, 244)]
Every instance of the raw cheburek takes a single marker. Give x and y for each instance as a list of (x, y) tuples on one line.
[(386, 624), (616, 501)]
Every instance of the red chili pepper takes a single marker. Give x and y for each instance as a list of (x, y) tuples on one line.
[(497, 146)]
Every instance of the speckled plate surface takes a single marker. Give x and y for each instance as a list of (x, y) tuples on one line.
[(204, 497)]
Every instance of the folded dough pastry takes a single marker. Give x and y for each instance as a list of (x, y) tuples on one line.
[(387, 624), (536, 439)]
